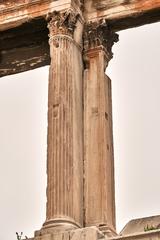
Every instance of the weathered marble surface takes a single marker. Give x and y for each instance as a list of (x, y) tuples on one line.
[(98, 141), (65, 122), (80, 159), (123, 14), (13, 13), (16, 14), (92, 233)]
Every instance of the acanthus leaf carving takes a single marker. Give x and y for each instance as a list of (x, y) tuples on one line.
[(99, 34), (62, 22)]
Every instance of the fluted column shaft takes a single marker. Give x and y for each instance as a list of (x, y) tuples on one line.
[(98, 139), (65, 150)]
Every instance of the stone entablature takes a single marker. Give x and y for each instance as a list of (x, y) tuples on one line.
[(122, 14), (80, 157), (13, 14), (27, 14)]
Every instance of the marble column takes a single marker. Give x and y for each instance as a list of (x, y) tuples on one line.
[(65, 122), (99, 197)]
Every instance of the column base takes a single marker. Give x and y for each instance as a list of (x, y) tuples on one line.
[(88, 233), (93, 233), (57, 225)]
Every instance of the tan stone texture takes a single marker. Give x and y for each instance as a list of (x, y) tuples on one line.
[(22, 52), (65, 147), (80, 157), (92, 233), (13, 13), (99, 166)]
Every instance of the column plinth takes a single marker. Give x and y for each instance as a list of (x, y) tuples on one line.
[(65, 150), (98, 139)]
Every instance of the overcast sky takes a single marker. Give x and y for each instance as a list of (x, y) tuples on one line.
[(135, 74)]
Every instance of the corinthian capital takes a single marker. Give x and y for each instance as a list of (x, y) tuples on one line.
[(62, 22), (99, 34)]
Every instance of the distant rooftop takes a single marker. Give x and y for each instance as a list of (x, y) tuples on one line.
[(141, 224)]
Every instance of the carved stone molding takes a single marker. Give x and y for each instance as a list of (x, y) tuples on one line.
[(99, 34), (62, 22)]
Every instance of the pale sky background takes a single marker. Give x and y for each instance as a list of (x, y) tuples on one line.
[(135, 74)]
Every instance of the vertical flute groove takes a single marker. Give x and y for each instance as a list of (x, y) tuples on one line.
[(61, 152)]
